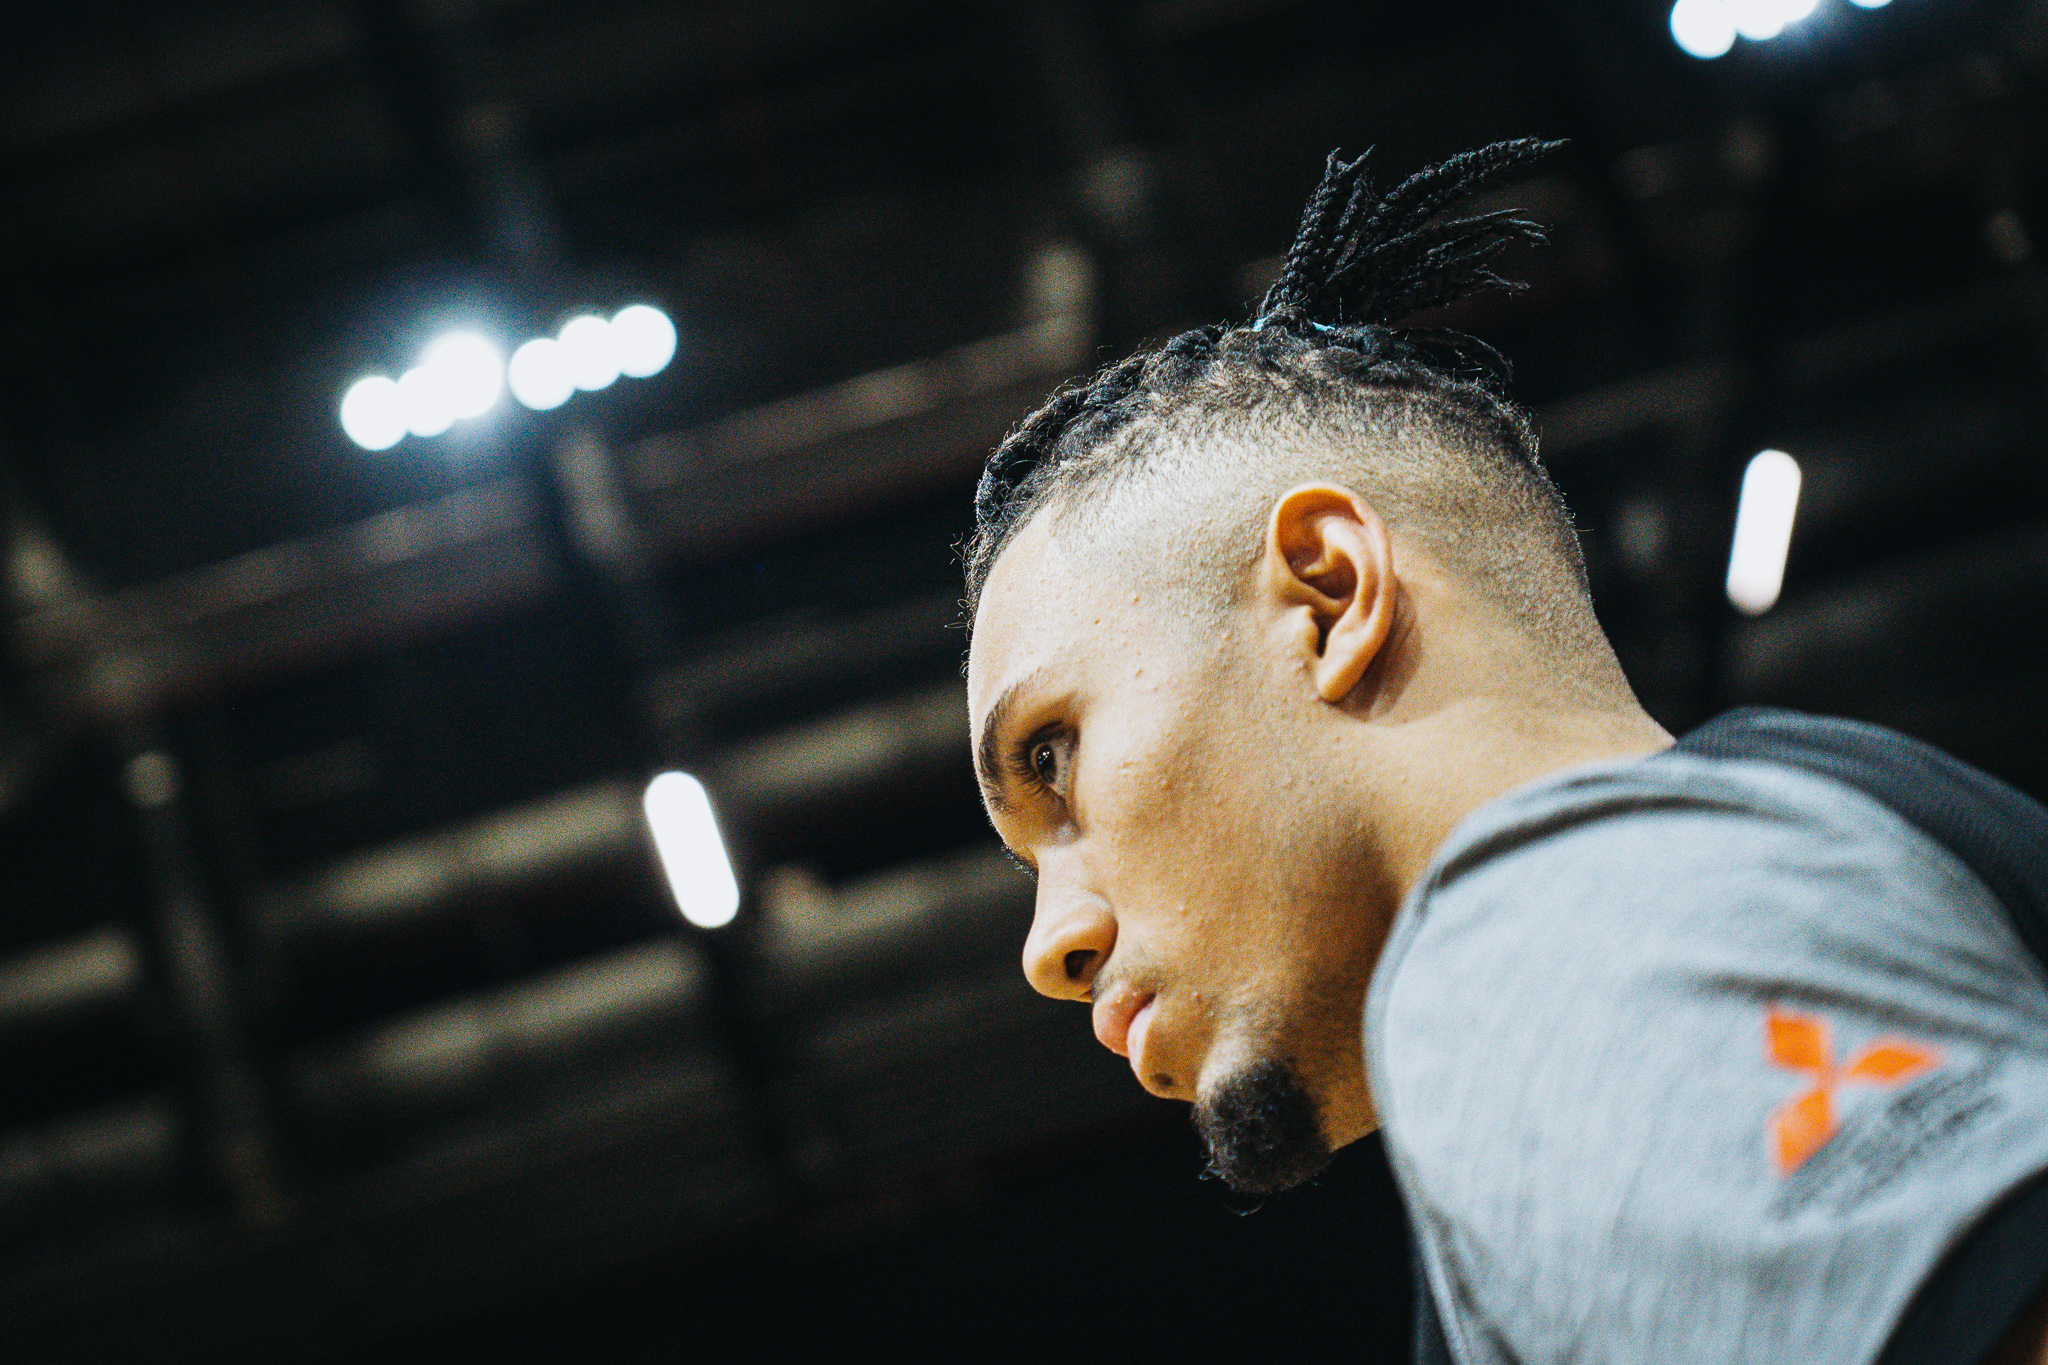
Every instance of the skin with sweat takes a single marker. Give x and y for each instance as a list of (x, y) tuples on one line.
[(1225, 806)]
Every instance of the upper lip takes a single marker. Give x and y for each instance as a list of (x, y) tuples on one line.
[(1114, 1010)]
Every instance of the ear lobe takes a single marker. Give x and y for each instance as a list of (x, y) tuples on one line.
[(1329, 557)]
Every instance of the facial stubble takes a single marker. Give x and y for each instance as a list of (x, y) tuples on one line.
[(1263, 1129)]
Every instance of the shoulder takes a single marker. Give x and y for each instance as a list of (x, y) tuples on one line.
[(1610, 1007), (1679, 811), (1642, 860), (1605, 907)]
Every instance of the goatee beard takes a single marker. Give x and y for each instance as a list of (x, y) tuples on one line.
[(1263, 1129)]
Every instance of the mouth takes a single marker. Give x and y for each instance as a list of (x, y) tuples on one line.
[(1115, 1012), (1123, 1020), (1134, 1047)]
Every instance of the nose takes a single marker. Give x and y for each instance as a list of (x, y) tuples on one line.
[(1070, 940)]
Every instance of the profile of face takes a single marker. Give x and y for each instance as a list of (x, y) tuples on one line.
[(1205, 882)]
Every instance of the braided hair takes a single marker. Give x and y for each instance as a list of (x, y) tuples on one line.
[(1360, 265)]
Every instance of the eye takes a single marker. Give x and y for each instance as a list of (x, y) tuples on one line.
[(1045, 762)]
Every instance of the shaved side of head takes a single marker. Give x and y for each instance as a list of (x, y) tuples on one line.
[(1180, 493)]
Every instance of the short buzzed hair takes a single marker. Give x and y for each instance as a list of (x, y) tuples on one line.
[(1325, 386)]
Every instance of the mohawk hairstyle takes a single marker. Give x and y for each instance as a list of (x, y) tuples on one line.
[(1329, 330)]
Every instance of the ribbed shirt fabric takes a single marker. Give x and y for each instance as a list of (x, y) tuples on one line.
[(1699, 1060)]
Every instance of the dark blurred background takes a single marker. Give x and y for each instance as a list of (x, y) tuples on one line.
[(344, 1012)]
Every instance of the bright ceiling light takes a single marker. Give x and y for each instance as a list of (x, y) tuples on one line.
[(1703, 28), (467, 370), (1763, 531), (1870, 4), (463, 374), (424, 404), (692, 853), (373, 414), (1708, 28), (1757, 20), (587, 342), (643, 340), (539, 375)]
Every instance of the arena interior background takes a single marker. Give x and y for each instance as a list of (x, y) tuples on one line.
[(344, 1013)]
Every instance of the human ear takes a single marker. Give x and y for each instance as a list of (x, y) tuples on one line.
[(1329, 566)]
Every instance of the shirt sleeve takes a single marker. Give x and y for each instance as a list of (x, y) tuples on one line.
[(1703, 1061)]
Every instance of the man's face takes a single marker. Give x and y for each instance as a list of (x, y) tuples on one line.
[(1201, 873)]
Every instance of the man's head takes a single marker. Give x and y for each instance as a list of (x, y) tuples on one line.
[(1254, 618)]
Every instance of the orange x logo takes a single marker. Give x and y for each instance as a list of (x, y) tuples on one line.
[(1803, 1124)]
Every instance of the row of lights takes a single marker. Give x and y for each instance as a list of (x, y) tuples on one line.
[(463, 374), (1709, 28)]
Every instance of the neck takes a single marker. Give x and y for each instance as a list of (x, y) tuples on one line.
[(1465, 710), (1439, 768)]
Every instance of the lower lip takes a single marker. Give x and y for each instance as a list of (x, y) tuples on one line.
[(1134, 1039)]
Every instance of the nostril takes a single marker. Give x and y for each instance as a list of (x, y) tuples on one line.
[(1078, 964)]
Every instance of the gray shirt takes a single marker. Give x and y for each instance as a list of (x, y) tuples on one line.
[(1699, 1060)]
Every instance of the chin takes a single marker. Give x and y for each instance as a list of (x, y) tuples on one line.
[(1264, 1129)]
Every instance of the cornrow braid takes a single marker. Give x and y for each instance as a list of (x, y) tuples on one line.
[(1077, 407), (1360, 265)]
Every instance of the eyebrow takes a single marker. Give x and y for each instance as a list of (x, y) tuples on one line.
[(988, 755)]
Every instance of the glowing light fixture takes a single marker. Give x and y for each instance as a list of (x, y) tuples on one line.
[(425, 405), (643, 340), (1708, 28), (373, 414), (1757, 20), (1763, 531), (587, 342), (1704, 28), (468, 373), (692, 854), (539, 375), (463, 374)]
